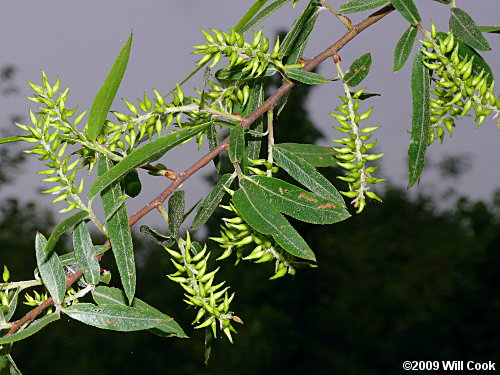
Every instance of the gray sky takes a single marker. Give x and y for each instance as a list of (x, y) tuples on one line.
[(79, 40)]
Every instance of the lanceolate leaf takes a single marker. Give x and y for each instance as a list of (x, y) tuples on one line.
[(51, 270), (236, 144), (249, 14), (85, 254), (147, 153), (355, 6), (117, 317), (309, 78), (107, 92), (307, 175), (465, 53), (266, 12), (317, 156), (299, 203), (489, 29), (112, 296), (213, 199), (408, 10), (358, 70), (443, 1), (404, 47), (465, 29), (12, 305), (33, 328), (63, 226), (261, 215), (212, 143), (156, 237), (119, 231), (176, 208), (296, 39), (254, 101), (70, 259), (420, 130)]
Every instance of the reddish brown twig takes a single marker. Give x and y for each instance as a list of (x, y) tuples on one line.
[(269, 104)]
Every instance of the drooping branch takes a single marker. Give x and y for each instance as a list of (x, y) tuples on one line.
[(268, 105)]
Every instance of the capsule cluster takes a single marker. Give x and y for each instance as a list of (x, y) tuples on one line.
[(5, 296), (237, 236), (147, 118), (352, 155), (457, 88), (224, 97), (269, 170), (212, 301), (253, 57), (51, 133)]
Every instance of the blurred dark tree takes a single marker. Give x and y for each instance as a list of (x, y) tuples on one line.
[(405, 280)]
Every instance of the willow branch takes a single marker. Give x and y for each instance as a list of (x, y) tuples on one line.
[(268, 105)]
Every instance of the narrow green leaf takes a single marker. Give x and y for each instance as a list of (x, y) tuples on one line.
[(12, 305), (466, 53), (193, 207), (465, 29), (358, 70), (408, 10), (307, 175), (266, 12), (489, 29), (120, 202), (51, 270), (10, 139), (106, 94), (63, 226), (212, 200), (297, 38), (118, 231), (444, 1), (236, 144), (317, 156), (33, 328), (212, 143), (176, 208), (147, 153), (299, 203), (85, 253), (355, 6), (261, 215), (404, 47), (309, 78), (117, 317), (69, 259), (255, 100), (156, 237), (249, 14), (420, 131), (132, 184), (113, 296)]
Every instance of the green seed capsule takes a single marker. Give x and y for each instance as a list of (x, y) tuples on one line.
[(450, 42), (433, 30)]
